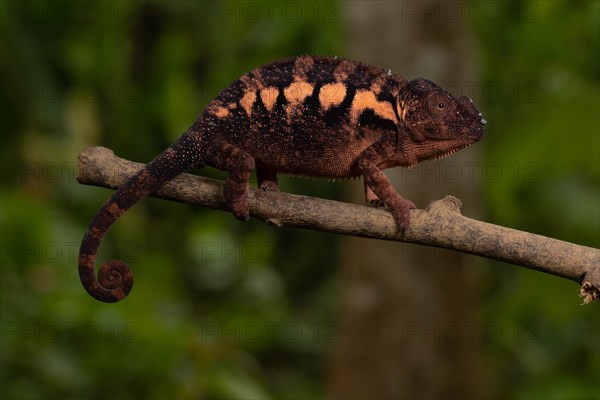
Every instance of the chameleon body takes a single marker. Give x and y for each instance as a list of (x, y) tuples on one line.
[(310, 116)]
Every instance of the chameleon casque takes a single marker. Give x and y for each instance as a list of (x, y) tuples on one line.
[(319, 117)]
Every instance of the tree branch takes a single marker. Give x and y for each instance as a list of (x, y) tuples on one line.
[(440, 225)]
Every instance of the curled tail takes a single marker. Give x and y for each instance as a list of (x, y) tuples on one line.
[(115, 280)]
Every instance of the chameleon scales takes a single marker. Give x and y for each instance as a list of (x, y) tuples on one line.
[(319, 117)]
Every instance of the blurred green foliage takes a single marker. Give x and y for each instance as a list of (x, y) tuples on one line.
[(541, 66), (544, 87), (226, 310)]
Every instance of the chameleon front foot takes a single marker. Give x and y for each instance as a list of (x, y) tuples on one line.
[(239, 206), (241, 211), (401, 213), (236, 195)]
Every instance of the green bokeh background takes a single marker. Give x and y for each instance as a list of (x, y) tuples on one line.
[(225, 310)]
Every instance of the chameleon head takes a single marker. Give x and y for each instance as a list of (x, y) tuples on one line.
[(437, 123)]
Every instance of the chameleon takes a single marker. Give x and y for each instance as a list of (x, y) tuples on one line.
[(321, 117)]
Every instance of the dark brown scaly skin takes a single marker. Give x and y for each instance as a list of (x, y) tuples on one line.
[(312, 116)]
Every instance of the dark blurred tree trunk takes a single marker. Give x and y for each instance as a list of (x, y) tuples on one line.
[(408, 324)]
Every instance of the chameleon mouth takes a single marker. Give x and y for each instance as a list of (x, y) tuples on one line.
[(449, 153), (438, 156)]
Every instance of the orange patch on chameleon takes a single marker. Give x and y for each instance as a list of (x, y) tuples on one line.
[(115, 210), (220, 112), (332, 94), (269, 97), (295, 95), (87, 259), (366, 100), (248, 101), (297, 92), (96, 233)]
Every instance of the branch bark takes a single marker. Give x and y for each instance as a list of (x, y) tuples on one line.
[(440, 225)]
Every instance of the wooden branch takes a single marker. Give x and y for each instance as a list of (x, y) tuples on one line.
[(440, 225)]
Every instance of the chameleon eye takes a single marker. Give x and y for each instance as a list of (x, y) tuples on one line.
[(439, 106)]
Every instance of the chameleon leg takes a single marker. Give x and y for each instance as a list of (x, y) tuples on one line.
[(267, 179), (380, 186), (239, 164)]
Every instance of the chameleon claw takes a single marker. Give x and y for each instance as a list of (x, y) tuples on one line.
[(269, 186), (376, 203), (241, 211), (410, 204)]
